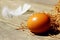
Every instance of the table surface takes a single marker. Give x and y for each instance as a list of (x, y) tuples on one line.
[(8, 32)]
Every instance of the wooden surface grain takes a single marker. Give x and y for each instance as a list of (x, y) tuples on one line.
[(8, 26), (7, 32)]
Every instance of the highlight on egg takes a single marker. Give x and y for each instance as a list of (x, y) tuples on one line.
[(38, 23)]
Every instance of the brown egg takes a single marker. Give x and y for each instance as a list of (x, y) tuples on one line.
[(38, 23)]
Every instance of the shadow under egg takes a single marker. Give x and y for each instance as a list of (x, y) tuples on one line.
[(52, 31)]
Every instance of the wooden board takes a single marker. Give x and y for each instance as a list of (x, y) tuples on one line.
[(8, 28)]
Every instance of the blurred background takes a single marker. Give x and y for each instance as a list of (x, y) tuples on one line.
[(36, 5)]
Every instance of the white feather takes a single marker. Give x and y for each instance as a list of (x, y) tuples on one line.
[(19, 11), (26, 7), (5, 11)]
